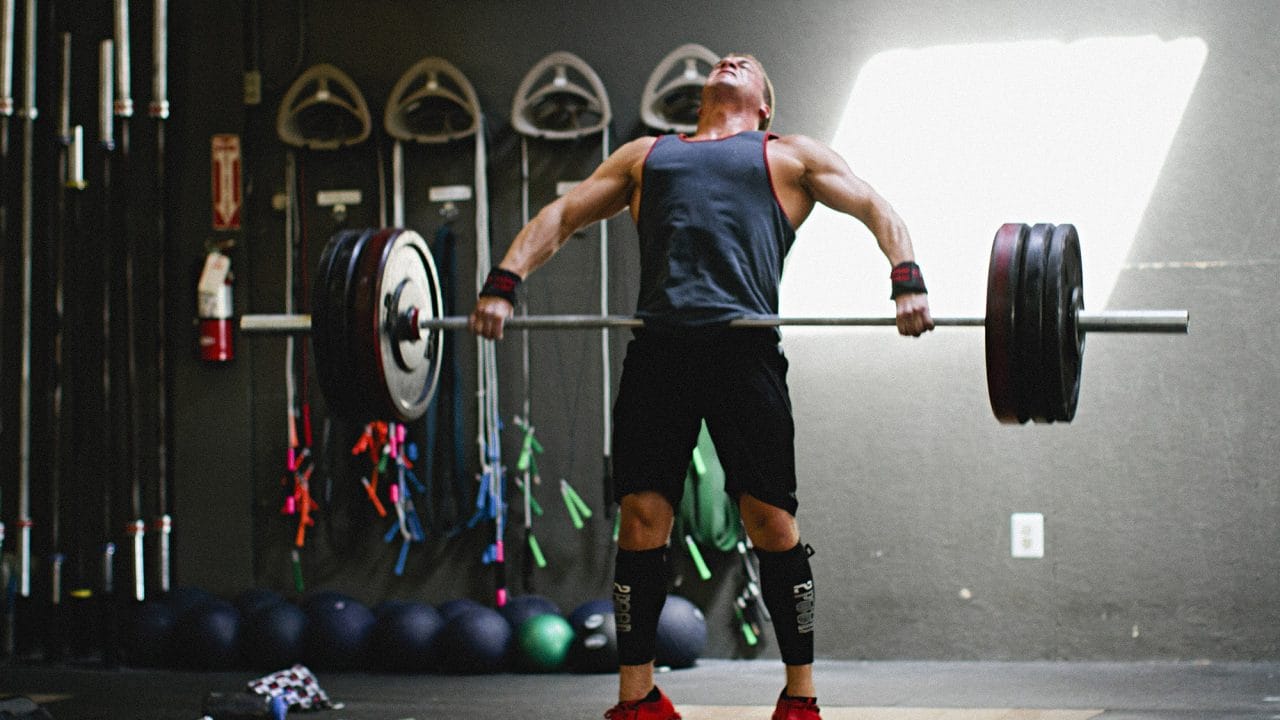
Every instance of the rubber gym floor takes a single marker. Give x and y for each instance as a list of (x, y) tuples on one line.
[(712, 690)]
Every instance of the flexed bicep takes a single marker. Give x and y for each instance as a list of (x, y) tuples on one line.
[(603, 194), (607, 191)]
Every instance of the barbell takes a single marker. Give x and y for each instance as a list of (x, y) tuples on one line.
[(377, 324)]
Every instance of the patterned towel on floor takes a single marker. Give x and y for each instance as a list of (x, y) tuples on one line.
[(297, 685)]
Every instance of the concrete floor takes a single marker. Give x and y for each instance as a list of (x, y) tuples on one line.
[(712, 690)]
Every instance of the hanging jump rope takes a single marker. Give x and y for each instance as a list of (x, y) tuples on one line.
[(560, 99), (492, 483), (433, 102), (299, 463), (325, 89)]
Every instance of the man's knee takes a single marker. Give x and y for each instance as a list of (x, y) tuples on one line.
[(645, 521), (770, 528)]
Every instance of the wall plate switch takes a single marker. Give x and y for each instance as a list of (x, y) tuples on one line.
[(1027, 535)]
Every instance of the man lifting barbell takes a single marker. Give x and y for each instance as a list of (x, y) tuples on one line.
[(716, 215)]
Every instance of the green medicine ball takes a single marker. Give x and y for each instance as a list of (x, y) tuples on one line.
[(544, 642)]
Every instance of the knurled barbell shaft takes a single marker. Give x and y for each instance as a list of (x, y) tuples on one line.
[(1117, 321)]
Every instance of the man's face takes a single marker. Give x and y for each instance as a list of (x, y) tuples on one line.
[(737, 71), (740, 74)]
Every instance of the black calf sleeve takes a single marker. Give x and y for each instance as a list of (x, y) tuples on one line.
[(639, 591), (786, 582)]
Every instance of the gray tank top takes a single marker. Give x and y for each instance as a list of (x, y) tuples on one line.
[(713, 236)]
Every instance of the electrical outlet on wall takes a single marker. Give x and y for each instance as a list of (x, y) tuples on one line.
[(1027, 534)]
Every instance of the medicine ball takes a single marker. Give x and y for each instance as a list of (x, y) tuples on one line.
[(682, 633), (521, 608), (324, 597), (274, 636), (404, 636), (590, 614), (254, 599), (542, 643), (450, 609), (595, 643), (148, 640), (387, 606), (206, 636), (473, 642), (338, 631), (182, 599)]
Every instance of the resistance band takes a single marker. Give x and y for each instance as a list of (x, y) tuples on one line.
[(491, 423), (331, 101), (408, 525), (560, 99), (434, 103), (445, 108), (527, 464), (708, 516), (443, 418)]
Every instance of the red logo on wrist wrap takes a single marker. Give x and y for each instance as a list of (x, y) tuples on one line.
[(502, 283), (906, 274)]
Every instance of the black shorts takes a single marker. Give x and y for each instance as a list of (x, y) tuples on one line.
[(735, 379)]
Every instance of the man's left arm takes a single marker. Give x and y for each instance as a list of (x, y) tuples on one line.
[(829, 180)]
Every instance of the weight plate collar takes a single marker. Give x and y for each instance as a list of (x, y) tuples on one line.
[(560, 98)]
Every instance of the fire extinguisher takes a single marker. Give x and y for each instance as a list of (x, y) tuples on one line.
[(214, 309)]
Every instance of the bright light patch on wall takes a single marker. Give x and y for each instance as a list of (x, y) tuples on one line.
[(961, 139)]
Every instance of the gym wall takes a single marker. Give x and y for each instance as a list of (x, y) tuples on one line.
[(1160, 500)]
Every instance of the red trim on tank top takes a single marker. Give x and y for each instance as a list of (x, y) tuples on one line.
[(694, 138), (649, 152), (768, 169), (644, 168)]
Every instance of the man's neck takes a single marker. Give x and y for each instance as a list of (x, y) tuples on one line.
[(723, 122)]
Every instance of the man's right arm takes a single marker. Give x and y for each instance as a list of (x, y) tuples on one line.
[(605, 193)]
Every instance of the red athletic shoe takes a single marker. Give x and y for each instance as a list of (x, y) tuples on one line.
[(660, 709), (796, 709)]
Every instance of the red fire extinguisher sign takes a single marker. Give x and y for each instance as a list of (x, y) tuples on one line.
[(227, 187)]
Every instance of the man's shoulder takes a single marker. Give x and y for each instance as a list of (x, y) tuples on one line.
[(639, 145), (804, 151), (634, 151), (796, 141)]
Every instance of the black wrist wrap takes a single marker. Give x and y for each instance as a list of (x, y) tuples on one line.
[(501, 283), (907, 280)]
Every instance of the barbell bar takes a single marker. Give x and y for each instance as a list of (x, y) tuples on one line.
[(1114, 321), (378, 332)]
